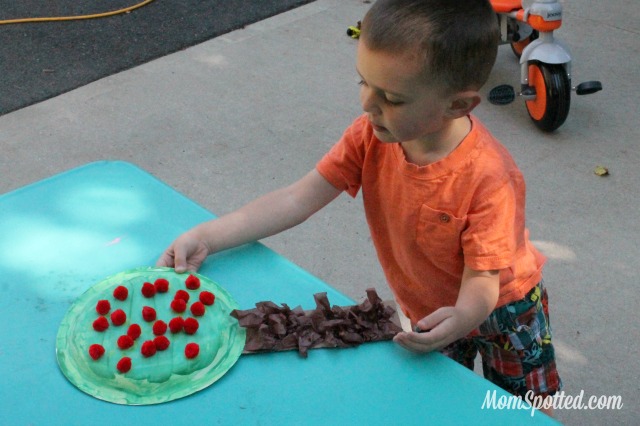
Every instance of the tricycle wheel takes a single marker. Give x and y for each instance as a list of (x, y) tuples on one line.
[(550, 108)]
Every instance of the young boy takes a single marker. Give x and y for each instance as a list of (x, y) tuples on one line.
[(444, 200)]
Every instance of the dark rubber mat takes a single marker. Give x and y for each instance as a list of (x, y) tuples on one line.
[(42, 60)]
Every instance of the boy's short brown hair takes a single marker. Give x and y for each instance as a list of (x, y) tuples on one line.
[(458, 39)]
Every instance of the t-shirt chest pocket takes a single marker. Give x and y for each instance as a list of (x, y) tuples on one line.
[(438, 233)]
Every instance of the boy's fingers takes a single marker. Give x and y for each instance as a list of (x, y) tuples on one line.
[(431, 321), (418, 342), (165, 260), (180, 261), (173, 258)]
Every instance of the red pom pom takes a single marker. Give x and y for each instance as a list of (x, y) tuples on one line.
[(148, 290), (207, 297), (103, 307), (197, 309), (148, 349), (118, 317), (121, 293), (124, 364), (100, 324), (125, 341), (162, 285), (134, 331), (175, 325), (96, 351), (181, 294), (159, 327), (192, 282), (179, 305), (191, 325), (161, 343), (191, 350), (148, 313)]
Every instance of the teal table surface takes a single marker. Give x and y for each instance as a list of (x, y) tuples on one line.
[(60, 236)]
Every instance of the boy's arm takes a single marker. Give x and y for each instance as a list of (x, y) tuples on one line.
[(477, 299), (265, 216)]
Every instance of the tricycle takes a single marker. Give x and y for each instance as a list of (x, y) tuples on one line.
[(545, 62)]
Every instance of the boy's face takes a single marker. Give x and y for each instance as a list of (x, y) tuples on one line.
[(401, 106)]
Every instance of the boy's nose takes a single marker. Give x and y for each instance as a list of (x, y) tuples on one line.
[(369, 100)]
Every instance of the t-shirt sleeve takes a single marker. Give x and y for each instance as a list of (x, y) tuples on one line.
[(342, 165)]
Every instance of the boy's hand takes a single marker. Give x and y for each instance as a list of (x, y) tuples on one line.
[(477, 298), (187, 252), (444, 326)]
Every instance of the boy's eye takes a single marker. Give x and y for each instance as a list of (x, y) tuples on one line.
[(392, 103), (386, 100)]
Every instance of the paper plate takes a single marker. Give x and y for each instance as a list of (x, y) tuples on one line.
[(166, 375)]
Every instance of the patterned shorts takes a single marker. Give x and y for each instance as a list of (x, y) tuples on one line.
[(515, 345)]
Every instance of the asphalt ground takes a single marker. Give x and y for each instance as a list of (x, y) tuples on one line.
[(42, 60), (249, 111)]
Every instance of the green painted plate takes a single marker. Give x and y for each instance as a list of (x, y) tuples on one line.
[(168, 374)]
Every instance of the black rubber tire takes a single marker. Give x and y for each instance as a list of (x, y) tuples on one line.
[(553, 95)]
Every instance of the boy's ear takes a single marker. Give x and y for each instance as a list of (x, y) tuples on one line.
[(462, 103)]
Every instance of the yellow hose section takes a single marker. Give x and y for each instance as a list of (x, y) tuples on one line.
[(74, 18)]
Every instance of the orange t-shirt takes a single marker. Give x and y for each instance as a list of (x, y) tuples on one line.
[(428, 222)]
